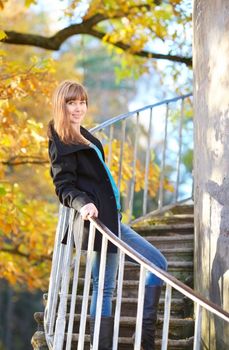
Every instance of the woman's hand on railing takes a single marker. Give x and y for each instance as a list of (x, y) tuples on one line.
[(88, 211)]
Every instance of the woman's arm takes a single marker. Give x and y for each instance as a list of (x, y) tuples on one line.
[(64, 174)]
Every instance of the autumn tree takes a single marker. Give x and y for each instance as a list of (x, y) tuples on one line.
[(28, 75), (131, 26)]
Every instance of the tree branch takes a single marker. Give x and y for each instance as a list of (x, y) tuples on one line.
[(86, 27), (144, 53), (38, 258), (21, 162)]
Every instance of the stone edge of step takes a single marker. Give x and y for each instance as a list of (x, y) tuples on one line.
[(38, 316), (171, 264), (38, 339), (187, 237), (162, 227), (124, 299)]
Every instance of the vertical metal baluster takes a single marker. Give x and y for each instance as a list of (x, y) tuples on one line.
[(192, 191), (179, 150), (53, 288), (102, 268), (132, 184), (87, 281), (167, 307), (78, 243), (162, 174), (57, 289), (147, 162), (111, 135), (57, 281), (141, 293), (62, 309), (121, 153), (198, 323), (118, 300)]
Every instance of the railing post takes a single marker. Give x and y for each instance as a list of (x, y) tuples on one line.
[(87, 281), (162, 174), (179, 150), (198, 324), (118, 299), (147, 163), (133, 179), (102, 268), (50, 310), (110, 145), (121, 152), (61, 317), (141, 297), (167, 307), (78, 242)]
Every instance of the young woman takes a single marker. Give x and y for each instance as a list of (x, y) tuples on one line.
[(83, 182)]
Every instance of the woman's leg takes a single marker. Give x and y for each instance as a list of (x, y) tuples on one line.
[(107, 322), (142, 246), (153, 283), (109, 282)]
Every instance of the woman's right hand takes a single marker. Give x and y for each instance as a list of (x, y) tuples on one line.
[(89, 210)]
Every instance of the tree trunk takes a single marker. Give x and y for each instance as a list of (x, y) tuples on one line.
[(211, 162)]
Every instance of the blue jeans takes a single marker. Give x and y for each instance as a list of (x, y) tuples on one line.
[(137, 242)]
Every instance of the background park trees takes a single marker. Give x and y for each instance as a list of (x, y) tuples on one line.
[(107, 45)]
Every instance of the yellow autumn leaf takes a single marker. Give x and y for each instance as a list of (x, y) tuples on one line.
[(2, 35)]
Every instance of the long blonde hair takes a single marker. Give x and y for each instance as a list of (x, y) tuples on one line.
[(66, 91)]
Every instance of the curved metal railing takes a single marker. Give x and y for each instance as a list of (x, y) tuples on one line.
[(151, 146), (59, 332)]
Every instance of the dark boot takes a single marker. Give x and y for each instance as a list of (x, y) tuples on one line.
[(105, 334), (152, 296)]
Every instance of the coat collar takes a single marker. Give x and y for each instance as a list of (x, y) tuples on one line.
[(64, 148)]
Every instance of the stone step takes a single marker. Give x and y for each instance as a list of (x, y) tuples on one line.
[(182, 229), (174, 241), (125, 343), (171, 254), (182, 209), (179, 328), (178, 254), (130, 288), (180, 307), (179, 269)]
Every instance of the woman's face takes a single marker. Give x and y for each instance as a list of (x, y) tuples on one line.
[(76, 110)]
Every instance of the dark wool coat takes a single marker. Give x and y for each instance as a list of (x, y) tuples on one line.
[(80, 178)]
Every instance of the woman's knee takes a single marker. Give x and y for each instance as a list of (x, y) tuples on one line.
[(164, 263), (159, 259)]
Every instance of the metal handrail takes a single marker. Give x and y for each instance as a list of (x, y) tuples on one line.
[(165, 276), (129, 114)]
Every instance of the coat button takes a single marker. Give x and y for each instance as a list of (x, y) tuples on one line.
[(107, 179), (111, 197)]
